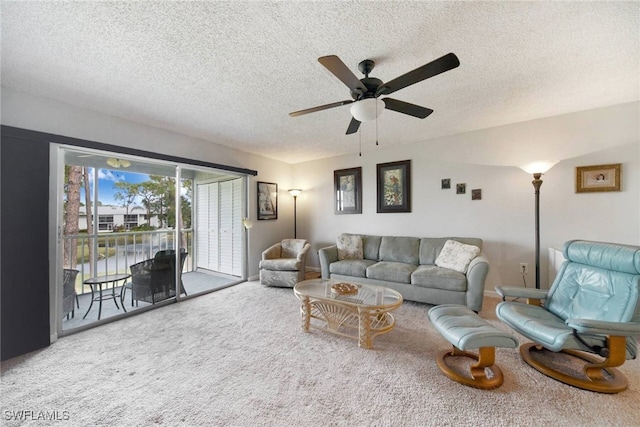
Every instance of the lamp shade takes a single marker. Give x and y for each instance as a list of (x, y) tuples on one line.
[(295, 192), (538, 167), (367, 109)]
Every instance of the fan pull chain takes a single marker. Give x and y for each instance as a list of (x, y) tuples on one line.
[(376, 123), (360, 137)]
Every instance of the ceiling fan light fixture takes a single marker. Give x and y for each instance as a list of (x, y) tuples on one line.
[(367, 109), (118, 163)]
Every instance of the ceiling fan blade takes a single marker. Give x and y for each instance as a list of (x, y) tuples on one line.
[(342, 72), (354, 125), (320, 108), (433, 68), (406, 108)]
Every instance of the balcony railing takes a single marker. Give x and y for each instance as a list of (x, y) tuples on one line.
[(113, 253)]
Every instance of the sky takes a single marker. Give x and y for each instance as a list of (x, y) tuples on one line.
[(106, 180)]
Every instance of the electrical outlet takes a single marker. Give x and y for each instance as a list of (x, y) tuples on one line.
[(524, 268)]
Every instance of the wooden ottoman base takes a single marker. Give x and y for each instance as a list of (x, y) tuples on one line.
[(479, 379), (465, 330)]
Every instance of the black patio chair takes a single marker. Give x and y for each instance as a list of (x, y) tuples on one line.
[(153, 280), (69, 295)]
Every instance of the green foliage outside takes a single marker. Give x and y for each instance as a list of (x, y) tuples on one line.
[(157, 196), (143, 227)]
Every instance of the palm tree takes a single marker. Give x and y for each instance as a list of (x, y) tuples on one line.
[(89, 212), (73, 181)]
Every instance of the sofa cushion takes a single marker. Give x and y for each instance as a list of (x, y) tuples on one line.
[(430, 247), (431, 276), (371, 246), (456, 256), (351, 267), (391, 271), (349, 246), (400, 249)]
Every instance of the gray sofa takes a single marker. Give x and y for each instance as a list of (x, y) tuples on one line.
[(408, 265)]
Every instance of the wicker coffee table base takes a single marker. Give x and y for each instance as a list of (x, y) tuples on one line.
[(359, 323)]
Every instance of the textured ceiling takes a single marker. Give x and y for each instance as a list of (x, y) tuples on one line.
[(230, 72)]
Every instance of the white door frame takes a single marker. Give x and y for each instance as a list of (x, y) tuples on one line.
[(56, 194)]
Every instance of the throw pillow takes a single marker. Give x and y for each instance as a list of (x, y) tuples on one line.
[(349, 247), (456, 256)]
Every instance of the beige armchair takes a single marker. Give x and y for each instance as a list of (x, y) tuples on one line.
[(283, 264)]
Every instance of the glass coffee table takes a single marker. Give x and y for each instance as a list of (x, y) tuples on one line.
[(349, 309)]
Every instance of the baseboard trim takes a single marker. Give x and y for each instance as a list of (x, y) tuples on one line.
[(491, 294)]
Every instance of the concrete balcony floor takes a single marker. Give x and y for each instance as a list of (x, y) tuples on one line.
[(195, 282)]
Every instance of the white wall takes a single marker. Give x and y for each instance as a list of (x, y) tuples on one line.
[(45, 115), (483, 159), (487, 159)]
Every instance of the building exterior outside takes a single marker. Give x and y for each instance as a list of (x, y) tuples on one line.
[(113, 217)]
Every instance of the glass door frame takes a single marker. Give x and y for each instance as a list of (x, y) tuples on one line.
[(58, 153)]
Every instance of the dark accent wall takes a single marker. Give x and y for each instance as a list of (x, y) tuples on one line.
[(24, 264), (24, 232)]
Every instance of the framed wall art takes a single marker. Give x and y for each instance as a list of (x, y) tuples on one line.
[(394, 186), (598, 178), (461, 188), (347, 186), (267, 200)]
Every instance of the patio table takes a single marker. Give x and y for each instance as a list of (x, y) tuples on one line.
[(95, 283)]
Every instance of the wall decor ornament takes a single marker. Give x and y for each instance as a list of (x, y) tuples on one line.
[(598, 178), (267, 200), (461, 188), (476, 194), (394, 187), (446, 184), (347, 187)]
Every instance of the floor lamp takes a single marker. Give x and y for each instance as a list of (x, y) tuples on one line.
[(537, 169), (295, 193), (248, 224)]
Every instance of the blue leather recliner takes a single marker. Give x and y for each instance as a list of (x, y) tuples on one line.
[(593, 307)]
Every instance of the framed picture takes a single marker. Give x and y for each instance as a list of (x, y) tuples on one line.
[(598, 178), (347, 185), (461, 188), (267, 200), (445, 184), (394, 186), (476, 194)]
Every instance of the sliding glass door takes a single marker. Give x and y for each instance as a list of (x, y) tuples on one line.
[(137, 233)]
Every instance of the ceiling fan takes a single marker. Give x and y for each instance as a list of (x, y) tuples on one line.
[(366, 92)]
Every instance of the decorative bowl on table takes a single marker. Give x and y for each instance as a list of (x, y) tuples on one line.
[(344, 289)]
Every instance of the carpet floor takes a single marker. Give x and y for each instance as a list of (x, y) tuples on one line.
[(238, 357)]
